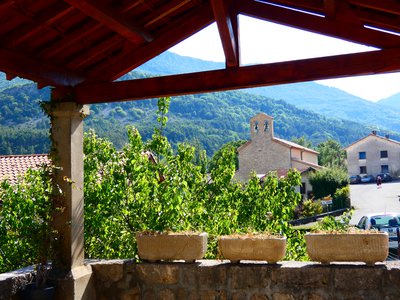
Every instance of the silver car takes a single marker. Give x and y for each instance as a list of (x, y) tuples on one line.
[(387, 222)]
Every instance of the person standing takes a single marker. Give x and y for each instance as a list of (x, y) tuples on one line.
[(379, 182)]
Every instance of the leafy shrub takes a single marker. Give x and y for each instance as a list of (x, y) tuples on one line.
[(341, 199), (326, 181), (127, 191), (25, 230), (311, 207), (151, 186), (338, 224)]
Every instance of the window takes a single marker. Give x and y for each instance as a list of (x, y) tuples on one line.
[(363, 170), (362, 155), (384, 169), (384, 154)]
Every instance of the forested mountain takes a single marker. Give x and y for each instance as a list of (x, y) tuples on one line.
[(392, 101), (209, 120), (328, 101)]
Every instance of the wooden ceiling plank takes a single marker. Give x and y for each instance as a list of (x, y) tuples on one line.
[(112, 19), (36, 70), (392, 7), (38, 23), (93, 53), (176, 33), (4, 5), (165, 10), (228, 37), (318, 25), (70, 39), (365, 63), (314, 6), (330, 8), (380, 21)]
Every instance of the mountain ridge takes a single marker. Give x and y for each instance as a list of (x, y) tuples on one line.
[(208, 120)]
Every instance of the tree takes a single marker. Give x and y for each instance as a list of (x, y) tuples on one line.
[(331, 154), (325, 182), (230, 145), (302, 141)]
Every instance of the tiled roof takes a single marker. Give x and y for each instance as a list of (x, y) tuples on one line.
[(294, 145), (11, 166), (373, 135)]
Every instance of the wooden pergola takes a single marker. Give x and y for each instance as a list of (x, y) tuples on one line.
[(80, 47)]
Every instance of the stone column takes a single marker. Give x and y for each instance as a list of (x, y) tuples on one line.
[(67, 138)]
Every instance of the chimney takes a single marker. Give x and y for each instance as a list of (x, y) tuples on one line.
[(374, 132)]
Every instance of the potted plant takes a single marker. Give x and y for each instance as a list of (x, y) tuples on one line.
[(156, 246), (346, 243), (262, 247)]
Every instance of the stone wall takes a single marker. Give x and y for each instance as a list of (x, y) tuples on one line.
[(210, 279), (213, 279)]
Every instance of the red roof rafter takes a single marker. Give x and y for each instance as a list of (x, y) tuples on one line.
[(16, 64), (182, 29), (228, 31), (69, 39), (319, 25), (112, 19), (42, 21), (380, 61), (88, 43), (383, 6)]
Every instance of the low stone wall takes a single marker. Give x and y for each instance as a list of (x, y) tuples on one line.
[(10, 282), (210, 279)]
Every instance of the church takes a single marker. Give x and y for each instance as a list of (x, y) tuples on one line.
[(265, 153)]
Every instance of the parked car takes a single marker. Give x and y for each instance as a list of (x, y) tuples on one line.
[(386, 177), (367, 179), (387, 222), (355, 179)]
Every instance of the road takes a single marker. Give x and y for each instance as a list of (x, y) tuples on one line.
[(367, 198)]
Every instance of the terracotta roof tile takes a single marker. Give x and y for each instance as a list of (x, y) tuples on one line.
[(12, 166)]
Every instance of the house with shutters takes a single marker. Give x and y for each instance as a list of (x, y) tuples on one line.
[(265, 153), (373, 155)]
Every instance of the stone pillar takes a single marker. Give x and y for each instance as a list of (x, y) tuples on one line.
[(67, 137)]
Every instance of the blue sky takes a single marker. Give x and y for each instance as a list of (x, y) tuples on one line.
[(264, 42)]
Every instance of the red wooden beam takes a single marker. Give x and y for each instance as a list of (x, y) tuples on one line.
[(97, 50), (374, 62), (384, 6), (318, 24), (177, 32), (226, 29), (36, 70), (34, 24), (70, 38), (112, 19)]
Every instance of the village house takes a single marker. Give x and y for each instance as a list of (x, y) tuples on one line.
[(373, 155), (264, 153), (12, 166)]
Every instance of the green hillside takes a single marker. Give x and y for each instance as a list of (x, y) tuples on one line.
[(328, 101), (392, 101), (209, 120)]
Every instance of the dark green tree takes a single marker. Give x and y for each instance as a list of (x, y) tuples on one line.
[(331, 154)]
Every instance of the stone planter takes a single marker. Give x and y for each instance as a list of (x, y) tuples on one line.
[(368, 247), (252, 247), (172, 246)]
